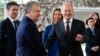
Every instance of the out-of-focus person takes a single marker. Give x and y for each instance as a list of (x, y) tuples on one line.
[(27, 37), (56, 17), (93, 41), (96, 17), (69, 32), (8, 30)]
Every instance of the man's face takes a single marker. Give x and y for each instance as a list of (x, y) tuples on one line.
[(95, 17), (91, 23), (67, 11), (13, 11), (35, 12)]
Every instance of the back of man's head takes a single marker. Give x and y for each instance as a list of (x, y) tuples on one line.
[(29, 5)]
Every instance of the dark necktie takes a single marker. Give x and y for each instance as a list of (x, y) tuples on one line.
[(68, 29), (15, 25)]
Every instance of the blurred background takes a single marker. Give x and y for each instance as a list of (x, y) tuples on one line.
[(82, 7)]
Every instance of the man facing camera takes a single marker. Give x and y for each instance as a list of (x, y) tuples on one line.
[(69, 33)]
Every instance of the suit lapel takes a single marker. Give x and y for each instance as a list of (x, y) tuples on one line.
[(73, 26), (62, 27), (10, 25), (90, 32), (31, 22), (96, 31)]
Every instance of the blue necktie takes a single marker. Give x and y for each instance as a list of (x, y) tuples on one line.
[(92, 29)]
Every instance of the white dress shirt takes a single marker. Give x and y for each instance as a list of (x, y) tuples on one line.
[(70, 23), (12, 21)]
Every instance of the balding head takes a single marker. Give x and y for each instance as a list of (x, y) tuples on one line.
[(67, 10), (67, 4)]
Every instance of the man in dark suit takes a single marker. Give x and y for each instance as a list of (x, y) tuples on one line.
[(69, 33), (8, 29), (93, 42), (28, 40)]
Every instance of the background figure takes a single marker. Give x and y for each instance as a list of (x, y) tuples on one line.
[(90, 3), (57, 16), (93, 41), (28, 39), (40, 29), (69, 32), (8, 29), (95, 16)]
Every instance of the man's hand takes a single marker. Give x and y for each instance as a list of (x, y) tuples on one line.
[(46, 50), (95, 48), (79, 38)]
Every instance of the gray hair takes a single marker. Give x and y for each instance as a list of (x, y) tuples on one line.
[(29, 5)]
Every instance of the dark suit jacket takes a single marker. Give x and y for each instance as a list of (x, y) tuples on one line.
[(97, 24), (92, 41), (53, 50), (8, 38), (67, 45), (28, 40)]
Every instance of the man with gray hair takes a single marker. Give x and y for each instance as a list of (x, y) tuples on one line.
[(28, 40)]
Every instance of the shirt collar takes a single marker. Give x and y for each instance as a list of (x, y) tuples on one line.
[(66, 20), (91, 27), (11, 19)]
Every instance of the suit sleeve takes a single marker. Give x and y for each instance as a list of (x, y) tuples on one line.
[(31, 35), (51, 38), (83, 32), (2, 31)]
